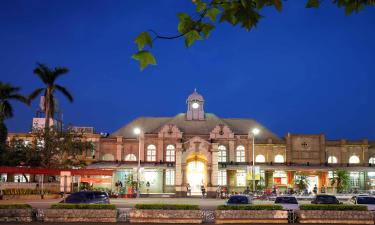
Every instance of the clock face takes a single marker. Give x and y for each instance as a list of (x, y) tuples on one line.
[(195, 105)]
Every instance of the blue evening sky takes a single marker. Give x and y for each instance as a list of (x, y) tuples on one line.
[(300, 71)]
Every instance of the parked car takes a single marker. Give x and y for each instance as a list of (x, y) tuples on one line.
[(90, 197), (239, 199), (364, 200), (325, 199), (287, 202)]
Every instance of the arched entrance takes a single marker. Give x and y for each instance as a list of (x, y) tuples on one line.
[(196, 173)]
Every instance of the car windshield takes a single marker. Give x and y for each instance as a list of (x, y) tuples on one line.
[(286, 200), (365, 200), (75, 197), (327, 199), (238, 200)]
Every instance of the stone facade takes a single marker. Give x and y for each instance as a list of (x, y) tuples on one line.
[(338, 217), (251, 216), (16, 215), (79, 215)]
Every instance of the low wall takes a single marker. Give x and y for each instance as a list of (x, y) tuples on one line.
[(251, 216), (80, 215), (165, 216), (30, 197), (16, 215), (343, 217)]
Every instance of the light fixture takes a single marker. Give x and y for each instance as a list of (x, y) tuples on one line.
[(255, 131), (195, 105), (137, 131)]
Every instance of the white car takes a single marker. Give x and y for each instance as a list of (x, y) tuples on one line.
[(364, 200), (287, 202)]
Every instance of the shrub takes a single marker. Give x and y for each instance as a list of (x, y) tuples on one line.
[(250, 207), (338, 207), (15, 206), (24, 191), (167, 206), (82, 206)]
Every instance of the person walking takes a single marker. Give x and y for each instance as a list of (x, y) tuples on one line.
[(203, 189), (188, 190), (315, 189)]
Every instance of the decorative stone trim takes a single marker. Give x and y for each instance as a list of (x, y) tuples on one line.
[(16, 215), (328, 216), (251, 216), (80, 215), (165, 216)]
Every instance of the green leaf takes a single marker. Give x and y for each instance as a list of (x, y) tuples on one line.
[(190, 37), (142, 39), (206, 29), (186, 23), (183, 16), (312, 4), (212, 13), (278, 5), (145, 58), (200, 6)]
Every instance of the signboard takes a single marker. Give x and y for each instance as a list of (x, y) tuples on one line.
[(65, 181), (250, 172)]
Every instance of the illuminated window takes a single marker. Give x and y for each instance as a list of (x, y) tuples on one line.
[(3, 177), (354, 179), (40, 143), (21, 178), (170, 154), (151, 153), (222, 177), (240, 154), (222, 154), (260, 159), (169, 177), (279, 159), (241, 178), (108, 157), (130, 157), (371, 160), (354, 159), (27, 143), (332, 159)]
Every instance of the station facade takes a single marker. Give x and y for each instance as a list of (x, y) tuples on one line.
[(199, 148)]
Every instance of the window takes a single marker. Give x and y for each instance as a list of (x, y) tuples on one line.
[(354, 159), (21, 178), (222, 154), (108, 157), (371, 160), (169, 177), (151, 153), (240, 154), (130, 157), (40, 143), (170, 154), (279, 159), (354, 179), (260, 159), (332, 159), (241, 178), (3, 177), (222, 177)]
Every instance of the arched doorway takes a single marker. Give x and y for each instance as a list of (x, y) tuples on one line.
[(196, 173)]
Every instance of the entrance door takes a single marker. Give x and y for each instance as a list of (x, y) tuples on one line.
[(196, 176), (312, 181)]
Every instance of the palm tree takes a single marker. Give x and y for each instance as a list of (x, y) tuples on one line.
[(48, 77), (341, 179), (7, 93)]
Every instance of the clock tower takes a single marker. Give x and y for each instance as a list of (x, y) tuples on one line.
[(195, 103)]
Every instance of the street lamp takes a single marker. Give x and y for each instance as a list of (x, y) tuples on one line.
[(254, 132), (137, 131)]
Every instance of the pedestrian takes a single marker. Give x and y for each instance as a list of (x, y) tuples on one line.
[(323, 189), (247, 191), (315, 189), (203, 189), (148, 187), (188, 190)]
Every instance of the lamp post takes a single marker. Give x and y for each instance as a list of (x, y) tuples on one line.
[(254, 132), (137, 131)]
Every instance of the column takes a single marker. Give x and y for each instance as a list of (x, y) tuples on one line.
[(180, 190), (231, 151), (119, 148), (213, 170)]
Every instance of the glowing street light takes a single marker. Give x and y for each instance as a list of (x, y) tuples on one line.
[(137, 131)]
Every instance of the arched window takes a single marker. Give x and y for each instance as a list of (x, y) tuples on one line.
[(279, 158), (260, 159), (354, 159), (130, 157), (332, 159), (222, 154), (108, 157), (151, 153), (371, 160), (170, 154), (240, 153)]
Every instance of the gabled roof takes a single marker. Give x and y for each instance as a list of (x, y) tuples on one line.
[(152, 125)]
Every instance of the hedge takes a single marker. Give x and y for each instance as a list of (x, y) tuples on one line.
[(337, 207), (15, 206), (24, 191), (167, 206), (250, 207), (82, 206)]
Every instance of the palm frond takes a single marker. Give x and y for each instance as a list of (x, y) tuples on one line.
[(6, 110), (20, 98), (35, 94), (65, 92), (57, 72), (43, 72)]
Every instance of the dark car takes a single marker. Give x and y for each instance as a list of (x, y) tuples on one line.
[(364, 200), (287, 202), (89, 197), (325, 199), (239, 199)]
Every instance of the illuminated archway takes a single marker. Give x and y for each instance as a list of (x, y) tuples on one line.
[(196, 173)]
